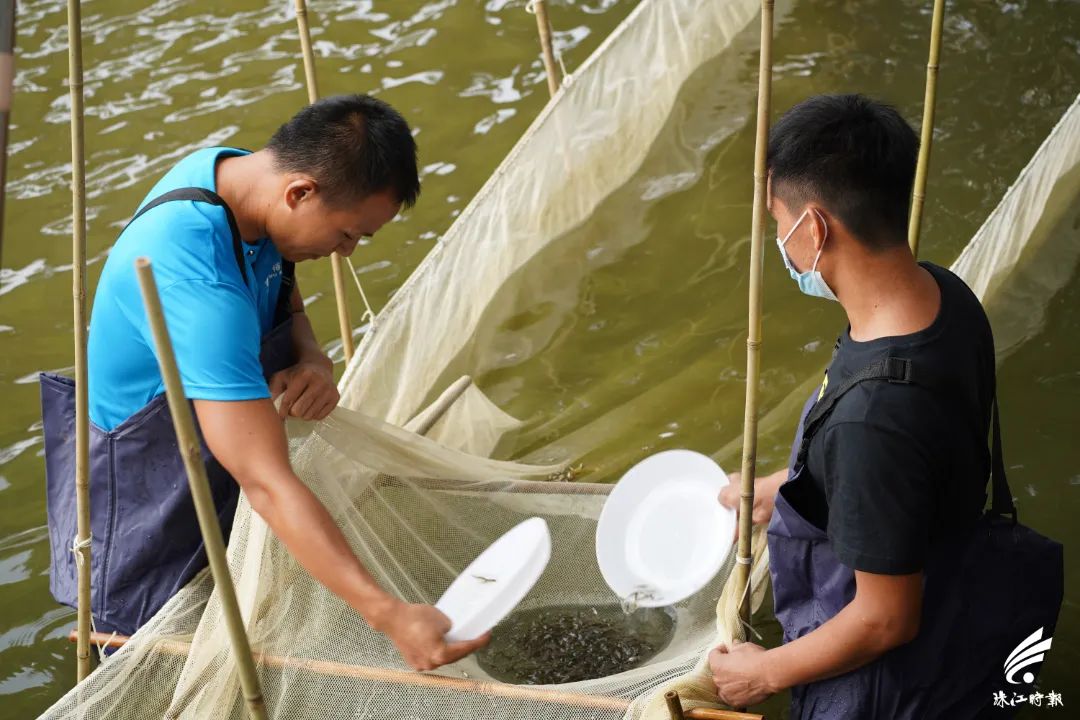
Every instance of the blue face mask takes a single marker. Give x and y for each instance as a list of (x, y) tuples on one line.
[(810, 282)]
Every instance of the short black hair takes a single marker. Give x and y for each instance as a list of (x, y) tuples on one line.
[(353, 146), (854, 155)]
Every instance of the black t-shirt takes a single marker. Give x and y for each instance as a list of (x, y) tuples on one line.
[(897, 466)]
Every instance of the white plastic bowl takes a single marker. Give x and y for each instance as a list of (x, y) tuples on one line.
[(496, 581), (663, 534)]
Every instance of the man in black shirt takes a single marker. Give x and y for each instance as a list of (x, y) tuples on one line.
[(895, 468)]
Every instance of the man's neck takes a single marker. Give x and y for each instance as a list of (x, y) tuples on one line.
[(888, 294), (241, 184)]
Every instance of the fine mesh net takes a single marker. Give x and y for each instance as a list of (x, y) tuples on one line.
[(417, 510)]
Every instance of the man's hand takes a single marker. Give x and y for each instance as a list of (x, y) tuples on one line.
[(884, 614), (418, 631), (248, 440), (739, 674), (307, 389), (765, 489)]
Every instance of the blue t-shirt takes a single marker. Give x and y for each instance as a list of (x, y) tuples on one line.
[(215, 318)]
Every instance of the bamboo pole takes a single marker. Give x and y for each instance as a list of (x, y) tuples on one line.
[(436, 682), (715, 714), (927, 137), (191, 451), (78, 292), (7, 82), (344, 321), (674, 705), (753, 338), (426, 419), (534, 487), (306, 51), (543, 26)]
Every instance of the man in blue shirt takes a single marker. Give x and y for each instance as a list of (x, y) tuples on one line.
[(224, 228)]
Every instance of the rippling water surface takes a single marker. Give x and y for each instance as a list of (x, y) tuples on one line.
[(652, 322)]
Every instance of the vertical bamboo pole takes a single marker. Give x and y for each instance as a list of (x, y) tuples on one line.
[(753, 339), (543, 26), (78, 291), (7, 81), (305, 49), (929, 102), (191, 451), (344, 321)]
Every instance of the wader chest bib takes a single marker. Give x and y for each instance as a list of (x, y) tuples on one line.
[(986, 588), (145, 540)]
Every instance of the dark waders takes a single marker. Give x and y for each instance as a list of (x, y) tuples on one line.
[(986, 588)]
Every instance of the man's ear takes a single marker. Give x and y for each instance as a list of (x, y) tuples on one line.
[(298, 190), (819, 227)]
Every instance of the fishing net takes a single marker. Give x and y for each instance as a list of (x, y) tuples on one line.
[(1019, 259), (418, 508)]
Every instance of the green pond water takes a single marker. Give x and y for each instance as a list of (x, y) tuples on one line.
[(642, 314)]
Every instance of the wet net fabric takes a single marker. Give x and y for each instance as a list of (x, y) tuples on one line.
[(417, 509), (1020, 257)]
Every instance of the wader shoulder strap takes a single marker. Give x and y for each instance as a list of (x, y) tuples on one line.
[(898, 370), (893, 369), (288, 280), (197, 194), (1001, 502)]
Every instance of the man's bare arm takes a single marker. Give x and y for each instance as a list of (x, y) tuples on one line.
[(884, 614), (307, 389), (248, 439)]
